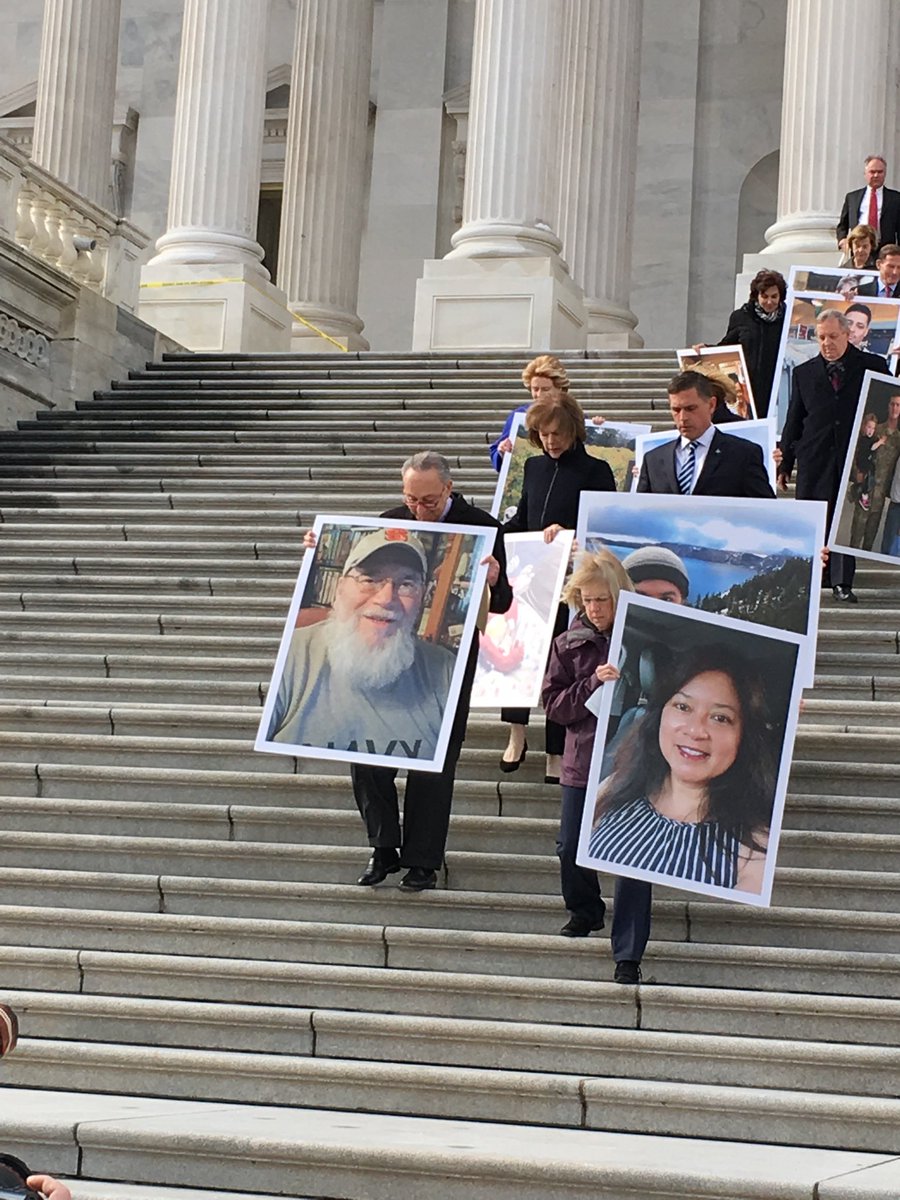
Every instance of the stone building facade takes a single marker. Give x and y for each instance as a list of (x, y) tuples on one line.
[(414, 172)]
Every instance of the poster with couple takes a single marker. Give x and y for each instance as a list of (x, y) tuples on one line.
[(867, 515), (376, 642), (874, 326), (752, 560), (613, 441), (687, 781)]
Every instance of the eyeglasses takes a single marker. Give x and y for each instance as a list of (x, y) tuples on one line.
[(405, 586), (422, 501)]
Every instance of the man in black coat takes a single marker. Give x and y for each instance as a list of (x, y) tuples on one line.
[(419, 846), (887, 284), (702, 461), (816, 435), (857, 206)]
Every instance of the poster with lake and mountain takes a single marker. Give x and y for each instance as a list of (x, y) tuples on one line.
[(753, 560)]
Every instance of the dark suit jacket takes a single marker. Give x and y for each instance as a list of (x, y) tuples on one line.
[(733, 467), (890, 215), (871, 289), (816, 433)]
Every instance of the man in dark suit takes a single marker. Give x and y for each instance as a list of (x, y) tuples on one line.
[(702, 461), (873, 200), (419, 846), (816, 435), (887, 285)]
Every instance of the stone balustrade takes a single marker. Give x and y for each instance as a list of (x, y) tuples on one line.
[(87, 243)]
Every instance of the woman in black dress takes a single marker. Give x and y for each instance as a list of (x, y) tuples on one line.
[(553, 483)]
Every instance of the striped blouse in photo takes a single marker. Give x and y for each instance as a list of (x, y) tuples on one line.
[(638, 836)]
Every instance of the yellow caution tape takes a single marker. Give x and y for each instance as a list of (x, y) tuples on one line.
[(164, 283)]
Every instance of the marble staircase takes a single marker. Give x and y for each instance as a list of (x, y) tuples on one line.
[(210, 1007)]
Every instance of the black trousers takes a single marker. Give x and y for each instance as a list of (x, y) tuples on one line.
[(554, 735), (426, 807), (581, 888)]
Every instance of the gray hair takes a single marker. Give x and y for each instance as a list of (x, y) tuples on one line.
[(832, 314), (428, 460), (870, 157)]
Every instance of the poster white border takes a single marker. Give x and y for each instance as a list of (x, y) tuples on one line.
[(484, 545)]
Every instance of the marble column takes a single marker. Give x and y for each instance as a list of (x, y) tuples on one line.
[(198, 286), (504, 283), (598, 140), (510, 196), (833, 114), (76, 94), (325, 171)]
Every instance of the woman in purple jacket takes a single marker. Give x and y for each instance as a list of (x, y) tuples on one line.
[(577, 668)]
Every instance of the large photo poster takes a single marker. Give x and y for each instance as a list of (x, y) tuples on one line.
[(375, 644), (867, 515), (754, 560), (874, 326), (760, 431), (613, 441), (514, 647), (729, 361), (687, 784), (843, 281)]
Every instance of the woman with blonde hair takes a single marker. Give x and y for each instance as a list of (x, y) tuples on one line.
[(578, 667), (546, 379)]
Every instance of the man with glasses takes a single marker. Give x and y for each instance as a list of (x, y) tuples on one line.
[(362, 679), (418, 847)]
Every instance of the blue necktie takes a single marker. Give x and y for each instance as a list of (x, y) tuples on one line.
[(686, 470)]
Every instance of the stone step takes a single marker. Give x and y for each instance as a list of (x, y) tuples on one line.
[(81, 979), (835, 851), (831, 1118), (53, 1028), (262, 1149)]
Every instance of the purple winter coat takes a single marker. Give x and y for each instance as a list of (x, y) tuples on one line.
[(570, 680)]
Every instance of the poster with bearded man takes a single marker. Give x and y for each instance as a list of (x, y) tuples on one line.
[(375, 646)]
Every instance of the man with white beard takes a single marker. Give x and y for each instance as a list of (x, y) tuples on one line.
[(362, 679)]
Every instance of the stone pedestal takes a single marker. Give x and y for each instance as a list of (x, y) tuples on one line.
[(210, 312), (219, 296), (76, 94), (325, 171), (833, 114), (601, 78), (524, 303), (504, 283)]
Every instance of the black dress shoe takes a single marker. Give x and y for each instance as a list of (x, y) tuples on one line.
[(845, 594), (627, 972), (381, 864), (418, 879), (508, 767), (580, 927)]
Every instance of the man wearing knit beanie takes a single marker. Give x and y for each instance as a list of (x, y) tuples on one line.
[(658, 573)]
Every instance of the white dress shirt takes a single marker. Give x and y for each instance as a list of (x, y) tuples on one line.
[(863, 214), (702, 444)]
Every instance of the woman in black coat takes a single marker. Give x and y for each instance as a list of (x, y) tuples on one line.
[(756, 326), (553, 483)]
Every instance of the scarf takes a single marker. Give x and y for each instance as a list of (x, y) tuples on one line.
[(769, 317)]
